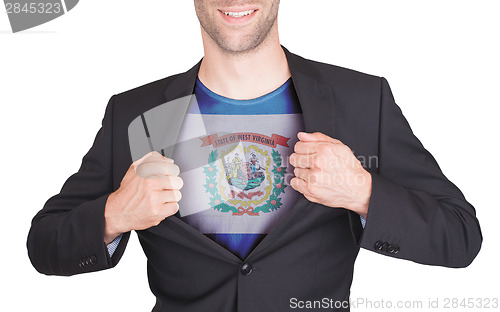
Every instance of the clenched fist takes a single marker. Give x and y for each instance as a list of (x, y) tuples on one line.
[(149, 192), (327, 172)]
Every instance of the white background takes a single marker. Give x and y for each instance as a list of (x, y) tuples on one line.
[(441, 59)]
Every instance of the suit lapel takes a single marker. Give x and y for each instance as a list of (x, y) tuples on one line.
[(318, 108), (183, 84), (316, 98)]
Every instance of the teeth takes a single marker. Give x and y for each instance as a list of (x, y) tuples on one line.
[(239, 14)]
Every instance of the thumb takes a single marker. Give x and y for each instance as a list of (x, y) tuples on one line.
[(148, 156), (152, 156), (316, 137)]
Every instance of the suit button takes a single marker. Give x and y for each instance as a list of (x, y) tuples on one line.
[(246, 269), (384, 246), (93, 260), (378, 245), (390, 249), (82, 263), (396, 249)]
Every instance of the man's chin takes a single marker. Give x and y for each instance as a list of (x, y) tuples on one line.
[(239, 46)]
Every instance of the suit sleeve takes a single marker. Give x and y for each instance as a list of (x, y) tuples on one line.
[(67, 236), (415, 212)]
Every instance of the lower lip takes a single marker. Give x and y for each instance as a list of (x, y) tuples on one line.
[(237, 20)]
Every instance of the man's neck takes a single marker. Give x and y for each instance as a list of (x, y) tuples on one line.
[(246, 75)]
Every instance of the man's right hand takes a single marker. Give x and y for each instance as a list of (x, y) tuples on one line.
[(148, 193)]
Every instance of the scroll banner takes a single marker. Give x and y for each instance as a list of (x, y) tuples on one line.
[(271, 141), (243, 195)]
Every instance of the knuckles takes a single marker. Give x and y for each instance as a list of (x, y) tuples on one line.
[(319, 161), (314, 176), (325, 148)]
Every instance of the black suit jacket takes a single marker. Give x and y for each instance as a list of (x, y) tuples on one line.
[(415, 212)]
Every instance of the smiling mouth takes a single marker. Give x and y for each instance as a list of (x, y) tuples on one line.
[(238, 14)]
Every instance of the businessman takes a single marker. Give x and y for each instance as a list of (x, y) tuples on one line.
[(286, 195)]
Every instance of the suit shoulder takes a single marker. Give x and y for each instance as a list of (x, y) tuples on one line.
[(339, 74), (152, 90), (129, 104)]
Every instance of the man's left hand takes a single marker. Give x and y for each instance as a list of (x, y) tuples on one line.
[(327, 172)]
